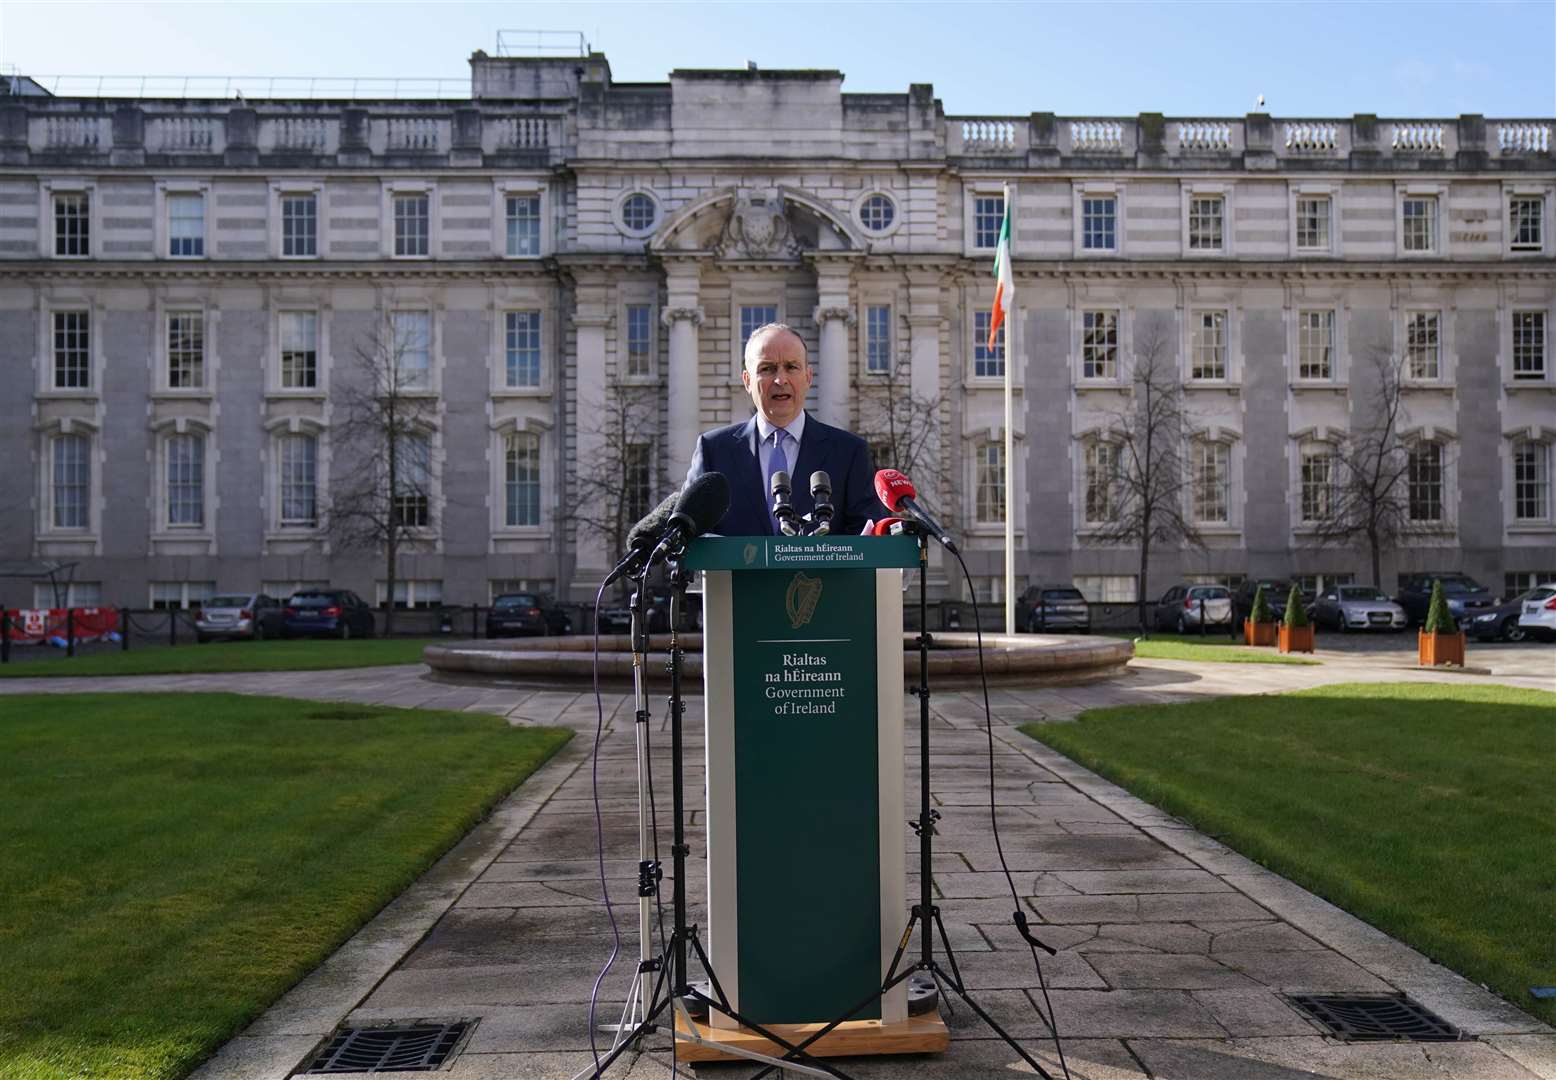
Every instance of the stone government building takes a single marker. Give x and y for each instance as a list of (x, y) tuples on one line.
[(183, 281)]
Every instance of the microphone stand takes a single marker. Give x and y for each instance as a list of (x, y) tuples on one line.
[(925, 911)]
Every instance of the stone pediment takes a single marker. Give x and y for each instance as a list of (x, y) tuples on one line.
[(757, 224)]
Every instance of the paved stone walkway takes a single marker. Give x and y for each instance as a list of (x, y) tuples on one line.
[(1174, 951)]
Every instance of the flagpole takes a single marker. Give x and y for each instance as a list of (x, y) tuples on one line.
[(1010, 442)]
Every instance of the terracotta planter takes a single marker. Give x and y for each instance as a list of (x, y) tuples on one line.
[(1296, 638), (1259, 633), (1437, 649)]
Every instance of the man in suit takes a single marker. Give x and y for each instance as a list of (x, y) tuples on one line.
[(782, 437)]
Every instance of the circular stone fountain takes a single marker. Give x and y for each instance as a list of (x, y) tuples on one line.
[(1010, 659)]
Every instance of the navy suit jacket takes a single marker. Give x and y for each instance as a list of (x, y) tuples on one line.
[(844, 456)]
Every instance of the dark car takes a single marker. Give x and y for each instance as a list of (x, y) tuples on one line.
[(617, 619), (238, 615), (1045, 608), (328, 613), (1275, 593), (1501, 622), (516, 614), (1466, 597)]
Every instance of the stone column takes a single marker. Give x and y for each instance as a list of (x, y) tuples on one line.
[(683, 386), (591, 316), (833, 316)]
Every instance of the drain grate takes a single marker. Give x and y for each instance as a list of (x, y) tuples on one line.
[(1373, 1017), (403, 1048)]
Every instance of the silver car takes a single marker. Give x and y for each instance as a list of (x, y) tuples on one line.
[(1180, 607), (238, 615), (1358, 607), (1539, 615)]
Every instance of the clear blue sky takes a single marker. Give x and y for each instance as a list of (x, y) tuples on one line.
[(1183, 59)]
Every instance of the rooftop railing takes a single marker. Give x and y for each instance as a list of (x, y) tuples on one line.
[(229, 87)]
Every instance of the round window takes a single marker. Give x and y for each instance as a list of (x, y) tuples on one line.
[(877, 213), (637, 212)]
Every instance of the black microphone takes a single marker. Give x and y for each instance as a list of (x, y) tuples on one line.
[(821, 495), (783, 505), (701, 505), (642, 537), (897, 494)]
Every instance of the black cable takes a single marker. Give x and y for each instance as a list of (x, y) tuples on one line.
[(988, 716), (599, 833)]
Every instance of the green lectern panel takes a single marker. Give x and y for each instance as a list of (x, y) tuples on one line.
[(807, 793)]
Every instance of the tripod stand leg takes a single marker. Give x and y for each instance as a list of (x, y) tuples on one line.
[(1001, 1032), (945, 945)]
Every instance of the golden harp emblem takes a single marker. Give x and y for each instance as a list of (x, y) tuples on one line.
[(803, 594)]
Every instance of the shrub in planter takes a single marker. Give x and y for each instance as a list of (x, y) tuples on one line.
[(1440, 640), (1259, 627), (1296, 632)]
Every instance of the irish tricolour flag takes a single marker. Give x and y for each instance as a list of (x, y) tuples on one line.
[(1004, 277)]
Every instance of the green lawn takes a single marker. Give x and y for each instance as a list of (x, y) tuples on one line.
[(1214, 647), (1428, 811), (171, 863), (297, 655)]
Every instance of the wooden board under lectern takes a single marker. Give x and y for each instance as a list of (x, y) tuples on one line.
[(915, 1035)]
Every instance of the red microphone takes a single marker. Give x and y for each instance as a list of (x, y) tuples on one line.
[(883, 527), (898, 495)]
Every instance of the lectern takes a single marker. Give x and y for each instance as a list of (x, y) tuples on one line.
[(803, 683)]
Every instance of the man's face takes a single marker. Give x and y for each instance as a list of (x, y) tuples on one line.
[(777, 376)]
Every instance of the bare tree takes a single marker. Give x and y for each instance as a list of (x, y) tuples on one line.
[(1369, 491), (381, 490), (619, 483), (903, 432), (1142, 504)]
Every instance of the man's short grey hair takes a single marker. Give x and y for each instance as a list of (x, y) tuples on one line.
[(772, 328)]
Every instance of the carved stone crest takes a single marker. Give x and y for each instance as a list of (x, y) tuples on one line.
[(757, 228)]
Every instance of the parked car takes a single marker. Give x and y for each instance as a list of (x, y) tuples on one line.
[(238, 615), (1043, 608), (333, 612), (1539, 617), (1357, 607), (514, 614), (1466, 597), (1275, 593), (1501, 622), (1180, 607)]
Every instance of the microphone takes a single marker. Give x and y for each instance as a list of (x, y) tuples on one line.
[(783, 507), (898, 495), (889, 526), (821, 495), (642, 537), (701, 505)]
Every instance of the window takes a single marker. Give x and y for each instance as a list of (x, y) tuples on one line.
[(989, 484), (300, 226), (1212, 479), (987, 363), (413, 594), (185, 350), (1313, 223), (522, 332), (1519, 581), (877, 339), (1425, 484), (1101, 482), (640, 341), (1099, 345), (412, 225), (638, 212), (73, 225), (1420, 223), (186, 226), (1205, 214), (1526, 222), (412, 332), (171, 595), (299, 350), (1107, 588), (1528, 344), (1315, 344), (283, 590), (878, 212), (523, 224), (753, 316), (521, 486), (638, 463), (1423, 349), (1209, 345), (411, 497), (1099, 223), (1318, 584), (1318, 489), (1531, 480), (79, 594), (988, 216), (299, 463), (72, 481), (72, 350), (185, 481)]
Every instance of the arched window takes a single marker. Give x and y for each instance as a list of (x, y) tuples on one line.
[(1102, 494), (989, 483), (1318, 482), (298, 461), (1212, 480), (521, 487), (71, 481), (1425, 482), (185, 456)]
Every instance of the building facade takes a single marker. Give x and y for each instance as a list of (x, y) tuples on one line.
[(567, 266)]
